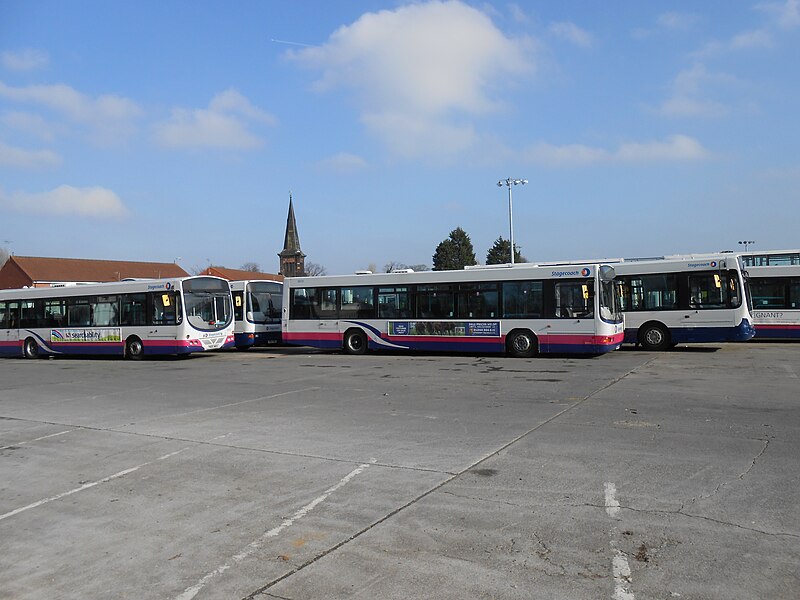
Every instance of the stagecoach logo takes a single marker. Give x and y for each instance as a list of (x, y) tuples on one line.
[(583, 273), (702, 265), (159, 286), (86, 335)]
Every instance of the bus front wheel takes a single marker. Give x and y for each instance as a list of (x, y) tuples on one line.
[(30, 349), (522, 344), (355, 342), (134, 349), (654, 337)]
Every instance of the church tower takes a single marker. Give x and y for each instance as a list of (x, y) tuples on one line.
[(292, 257)]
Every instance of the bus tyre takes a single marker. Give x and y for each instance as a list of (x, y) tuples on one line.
[(522, 344), (654, 337), (355, 342), (134, 349), (30, 349)]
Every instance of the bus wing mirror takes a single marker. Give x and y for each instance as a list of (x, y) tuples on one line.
[(607, 273)]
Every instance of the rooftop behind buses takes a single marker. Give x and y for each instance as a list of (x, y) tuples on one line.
[(257, 312), (683, 299), (127, 318), (521, 310)]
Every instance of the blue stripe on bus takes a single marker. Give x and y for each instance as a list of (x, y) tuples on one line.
[(698, 335), (776, 332)]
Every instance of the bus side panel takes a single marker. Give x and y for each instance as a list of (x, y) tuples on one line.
[(580, 344), (777, 332), (10, 347), (314, 339), (162, 347), (442, 344)]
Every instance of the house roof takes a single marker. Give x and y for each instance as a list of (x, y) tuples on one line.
[(79, 269), (239, 275)]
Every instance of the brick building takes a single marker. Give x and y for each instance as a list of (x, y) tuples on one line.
[(34, 271)]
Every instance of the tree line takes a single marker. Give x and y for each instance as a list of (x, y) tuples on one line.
[(456, 252)]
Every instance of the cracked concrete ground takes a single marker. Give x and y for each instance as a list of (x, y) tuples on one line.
[(290, 474)]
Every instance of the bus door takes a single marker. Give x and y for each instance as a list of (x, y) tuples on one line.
[(708, 299), (9, 324), (574, 312)]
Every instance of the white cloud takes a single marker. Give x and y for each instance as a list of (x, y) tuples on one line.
[(96, 202), (29, 123), (746, 40), (689, 94), (231, 101), (24, 60), (421, 136), (675, 148), (224, 124), (27, 159), (758, 38), (572, 33), (677, 21), (421, 65), (109, 117), (343, 163), (786, 14), (667, 22), (518, 14)]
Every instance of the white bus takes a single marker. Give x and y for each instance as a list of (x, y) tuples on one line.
[(521, 310), (257, 312), (128, 318), (683, 299), (774, 282)]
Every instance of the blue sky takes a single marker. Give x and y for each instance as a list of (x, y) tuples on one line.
[(176, 130)]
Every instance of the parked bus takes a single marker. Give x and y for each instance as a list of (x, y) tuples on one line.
[(771, 258), (128, 318), (683, 299), (257, 312), (775, 293), (521, 310)]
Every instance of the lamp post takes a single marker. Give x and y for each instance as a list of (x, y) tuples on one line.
[(508, 183), (746, 243)]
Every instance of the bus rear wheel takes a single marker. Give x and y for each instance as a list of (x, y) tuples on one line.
[(355, 342), (522, 344), (654, 337), (30, 349), (134, 349)]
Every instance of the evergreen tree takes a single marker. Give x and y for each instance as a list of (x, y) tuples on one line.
[(500, 253), (455, 252)]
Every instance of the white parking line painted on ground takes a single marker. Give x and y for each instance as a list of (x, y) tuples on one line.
[(612, 504), (252, 547), (620, 567), (44, 437), (92, 484), (622, 576)]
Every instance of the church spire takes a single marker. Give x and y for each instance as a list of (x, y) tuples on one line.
[(292, 258)]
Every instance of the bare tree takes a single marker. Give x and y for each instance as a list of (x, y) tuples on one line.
[(4, 254), (419, 267), (394, 266), (313, 269), (250, 266)]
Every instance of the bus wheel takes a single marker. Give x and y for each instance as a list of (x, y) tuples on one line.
[(30, 349), (355, 342), (654, 337), (134, 349), (522, 344)]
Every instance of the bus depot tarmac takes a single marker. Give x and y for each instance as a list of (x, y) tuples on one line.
[(295, 474)]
